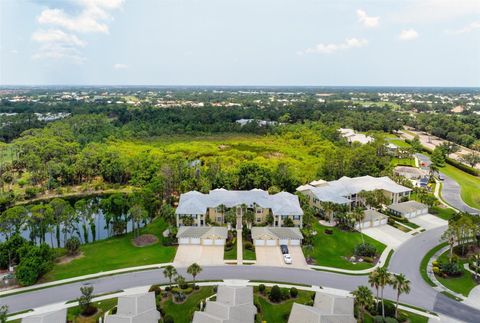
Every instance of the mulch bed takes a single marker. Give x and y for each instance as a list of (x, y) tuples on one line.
[(144, 240)]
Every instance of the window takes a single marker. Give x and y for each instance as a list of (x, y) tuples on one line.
[(259, 211), (259, 220), (219, 219), (296, 217), (284, 217)]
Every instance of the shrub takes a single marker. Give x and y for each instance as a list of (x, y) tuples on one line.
[(365, 250), (368, 259), (293, 292), (436, 270), (155, 288), (72, 245), (285, 293), (329, 231), (275, 294), (435, 263), (179, 297), (451, 269), (168, 319), (30, 192), (249, 246), (261, 288)]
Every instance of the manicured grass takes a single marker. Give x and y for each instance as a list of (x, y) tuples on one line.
[(271, 312), (183, 313), (400, 227), (232, 253), (463, 284), (400, 143), (411, 225), (73, 313), (424, 263), (335, 249), (442, 212), (248, 254), (470, 185), (115, 253), (402, 162), (412, 317)]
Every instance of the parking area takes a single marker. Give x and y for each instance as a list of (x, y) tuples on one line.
[(272, 256), (387, 235), (429, 221), (202, 255)]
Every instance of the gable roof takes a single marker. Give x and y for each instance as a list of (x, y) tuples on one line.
[(408, 206), (276, 233), (282, 203), (59, 316), (202, 232), (135, 308)]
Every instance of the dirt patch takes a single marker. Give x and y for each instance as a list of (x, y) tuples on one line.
[(144, 240), (223, 147), (66, 259)]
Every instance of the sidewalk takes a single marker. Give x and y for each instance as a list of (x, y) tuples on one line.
[(239, 247), (381, 262)]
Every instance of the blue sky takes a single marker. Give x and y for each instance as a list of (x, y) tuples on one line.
[(240, 42)]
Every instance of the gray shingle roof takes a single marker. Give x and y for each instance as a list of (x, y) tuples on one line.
[(408, 206), (59, 316), (202, 232), (282, 203), (276, 233), (326, 308), (373, 215)]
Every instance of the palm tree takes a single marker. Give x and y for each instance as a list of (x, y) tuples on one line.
[(363, 299), (384, 279), (169, 272), (373, 281), (402, 285), (358, 214), (194, 269)]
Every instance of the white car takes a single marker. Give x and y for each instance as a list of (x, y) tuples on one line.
[(287, 259)]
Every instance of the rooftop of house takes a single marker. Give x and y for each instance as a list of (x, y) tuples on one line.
[(282, 203), (59, 316), (276, 233), (407, 207), (135, 308), (202, 232), (373, 215)]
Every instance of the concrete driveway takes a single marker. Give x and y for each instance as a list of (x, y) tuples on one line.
[(387, 235), (202, 255), (272, 256), (429, 221)]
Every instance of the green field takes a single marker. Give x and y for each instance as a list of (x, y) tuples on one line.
[(400, 143), (248, 254), (470, 185), (442, 212), (232, 253), (115, 253), (402, 162), (183, 313), (463, 284), (334, 250)]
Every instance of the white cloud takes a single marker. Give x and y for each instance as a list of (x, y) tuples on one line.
[(120, 66), (93, 17), (331, 48), (469, 28), (408, 34), (367, 21)]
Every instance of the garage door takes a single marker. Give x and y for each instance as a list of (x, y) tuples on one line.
[(207, 242), (294, 242), (366, 225), (259, 242), (183, 241), (194, 240), (284, 241), (384, 221), (271, 242), (219, 242)]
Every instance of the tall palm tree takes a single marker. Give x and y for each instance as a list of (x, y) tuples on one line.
[(384, 279), (402, 285), (169, 272), (363, 299), (359, 215), (373, 281), (194, 269)]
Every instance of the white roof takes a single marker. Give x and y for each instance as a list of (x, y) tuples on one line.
[(408, 206), (353, 136), (135, 308), (373, 215), (282, 203), (202, 232), (234, 304), (276, 233), (59, 316), (338, 191), (326, 308)]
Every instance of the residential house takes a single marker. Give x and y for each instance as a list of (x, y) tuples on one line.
[(409, 209), (138, 308), (353, 136), (274, 236), (59, 316)]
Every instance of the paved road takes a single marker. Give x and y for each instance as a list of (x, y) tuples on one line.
[(406, 260)]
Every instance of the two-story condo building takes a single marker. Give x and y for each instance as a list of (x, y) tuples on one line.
[(202, 208)]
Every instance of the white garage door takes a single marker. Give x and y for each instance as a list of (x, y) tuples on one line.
[(294, 242), (283, 241), (366, 225), (207, 242), (194, 240), (183, 241), (259, 242), (219, 242), (271, 242)]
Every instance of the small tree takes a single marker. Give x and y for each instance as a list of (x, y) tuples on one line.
[(170, 272), (401, 284), (180, 281), (275, 294), (85, 301), (72, 245), (194, 269), (374, 283), (358, 215), (363, 299), (3, 313)]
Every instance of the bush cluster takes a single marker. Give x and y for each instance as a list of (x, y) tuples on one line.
[(365, 250)]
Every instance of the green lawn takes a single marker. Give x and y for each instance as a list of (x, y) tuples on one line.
[(115, 253), (273, 313), (463, 284), (442, 212), (232, 253), (183, 313), (73, 313), (331, 250), (248, 254), (470, 185), (400, 143), (424, 263), (402, 162)]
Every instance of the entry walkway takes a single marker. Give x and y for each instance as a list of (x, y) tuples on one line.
[(239, 247)]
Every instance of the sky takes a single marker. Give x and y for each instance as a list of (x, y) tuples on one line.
[(240, 42)]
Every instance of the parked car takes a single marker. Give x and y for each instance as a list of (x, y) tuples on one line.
[(287, 259), (284, 249)]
